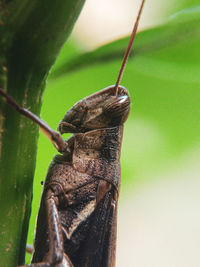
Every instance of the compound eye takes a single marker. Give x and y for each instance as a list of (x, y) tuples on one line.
[(118, 105)]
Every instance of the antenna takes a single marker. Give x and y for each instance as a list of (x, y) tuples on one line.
[(128, 49)]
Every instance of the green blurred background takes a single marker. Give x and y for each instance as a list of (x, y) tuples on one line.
[(159, 222)]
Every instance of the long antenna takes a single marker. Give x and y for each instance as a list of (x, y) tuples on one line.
[(128, 49)]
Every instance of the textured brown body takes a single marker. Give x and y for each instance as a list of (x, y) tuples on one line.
[(84, 186), (75, 181)]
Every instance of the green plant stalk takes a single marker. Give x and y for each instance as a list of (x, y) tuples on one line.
[(31, 37)]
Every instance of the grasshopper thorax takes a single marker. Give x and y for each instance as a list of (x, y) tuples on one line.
[(100, 110)]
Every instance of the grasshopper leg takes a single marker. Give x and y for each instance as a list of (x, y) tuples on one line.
[(52, 135), (56, 256)]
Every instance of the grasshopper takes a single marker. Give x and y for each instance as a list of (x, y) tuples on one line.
[(77, 219)]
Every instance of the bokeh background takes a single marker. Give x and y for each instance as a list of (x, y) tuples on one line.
[(159, 221)]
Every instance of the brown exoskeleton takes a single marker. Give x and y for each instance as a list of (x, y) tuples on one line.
[(81, 188), (76, 224)]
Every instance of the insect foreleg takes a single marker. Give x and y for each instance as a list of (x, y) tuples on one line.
[(55, 256), (53, 136)]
